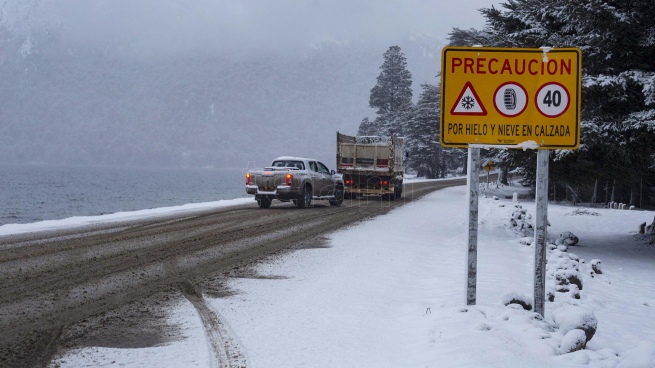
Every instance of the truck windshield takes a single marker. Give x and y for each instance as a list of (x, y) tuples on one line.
[(297, 164)]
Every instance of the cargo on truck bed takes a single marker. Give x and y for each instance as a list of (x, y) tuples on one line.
[(371, 165)]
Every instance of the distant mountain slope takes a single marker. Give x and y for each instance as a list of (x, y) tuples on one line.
[(64, 105)]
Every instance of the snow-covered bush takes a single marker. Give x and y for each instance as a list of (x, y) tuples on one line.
[(519, 221), (567, 238), (564, 278), (563, 273), (568, 262), (570, 317), (550, 295), (595, 266), (574, 291), (517, 298), (574, 340), (650, 231)]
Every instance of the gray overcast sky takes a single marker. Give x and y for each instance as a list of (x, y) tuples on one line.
[(249, 25)]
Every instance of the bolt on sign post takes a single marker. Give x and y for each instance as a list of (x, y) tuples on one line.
[(511, 98)]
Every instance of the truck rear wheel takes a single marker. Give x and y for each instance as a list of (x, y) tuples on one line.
[(398, 191), (305, 199), (338, 197), (264, 202)]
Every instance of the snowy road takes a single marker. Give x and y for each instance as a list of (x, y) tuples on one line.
[(54, 285)]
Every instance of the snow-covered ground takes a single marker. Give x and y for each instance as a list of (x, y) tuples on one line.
[(77, 221), (390, 292)]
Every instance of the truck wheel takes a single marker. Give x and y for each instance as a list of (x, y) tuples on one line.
[(305, 199), (264, 202), (338, 197)]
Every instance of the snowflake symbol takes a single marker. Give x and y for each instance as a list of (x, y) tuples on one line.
[(468, 102)]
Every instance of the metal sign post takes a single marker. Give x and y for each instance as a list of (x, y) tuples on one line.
[(541, 229), (472, 259)]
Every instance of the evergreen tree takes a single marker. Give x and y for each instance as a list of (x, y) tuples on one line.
[(367, 127), (422, 133), (392, 95), (617, 39)]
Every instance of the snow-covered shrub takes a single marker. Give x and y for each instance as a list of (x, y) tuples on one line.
[(550, 295), (519, 221), (574, 340), (574, 292), (595, 266), (650, 231), (517, 298), (566, 263), (568, 238), (564, 278), (570, 317)]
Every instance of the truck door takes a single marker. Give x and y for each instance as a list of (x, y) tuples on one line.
[(316, 178), (327, 185)]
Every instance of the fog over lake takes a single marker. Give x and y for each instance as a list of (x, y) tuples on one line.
[(202, 83)]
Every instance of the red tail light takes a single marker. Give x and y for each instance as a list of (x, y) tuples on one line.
[(289, 178), (247, 178), (384, 182)]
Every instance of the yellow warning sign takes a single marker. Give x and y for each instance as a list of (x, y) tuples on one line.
[(510, 96)]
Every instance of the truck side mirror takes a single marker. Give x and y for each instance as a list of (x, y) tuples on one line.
[(332, 172)]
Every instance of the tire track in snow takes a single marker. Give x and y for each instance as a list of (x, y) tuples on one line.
[(224, 348)]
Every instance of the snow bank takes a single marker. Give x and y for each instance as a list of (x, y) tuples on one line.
[(79, 221)]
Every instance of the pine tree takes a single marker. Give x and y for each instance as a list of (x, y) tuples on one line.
[(425, 155), (422, 133), (392, 95), (367, 127)]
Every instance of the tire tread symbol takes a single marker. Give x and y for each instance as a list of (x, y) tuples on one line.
[(510, 99)]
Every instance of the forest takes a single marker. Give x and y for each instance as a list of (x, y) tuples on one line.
[(616, 158)]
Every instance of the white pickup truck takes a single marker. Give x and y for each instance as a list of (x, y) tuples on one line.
[(296, 179)]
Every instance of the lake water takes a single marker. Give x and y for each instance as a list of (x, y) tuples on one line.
[(31, 193)]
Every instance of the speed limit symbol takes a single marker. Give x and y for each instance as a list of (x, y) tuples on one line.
[(552, 100)]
